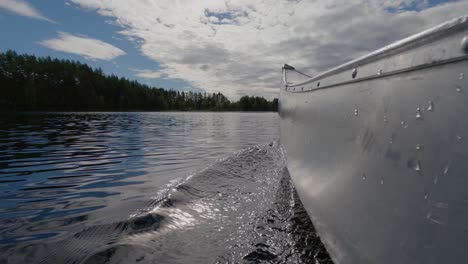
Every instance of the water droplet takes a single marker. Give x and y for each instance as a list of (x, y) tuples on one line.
[(356, 112), (380, 72), (430, 106), (382, 181), (428, 215), (364, 177), (446, 168), (418, 113), (318, 84), (414, 165), (426, 196), (436, 179), (441, 205), (417, 166), (458, 88), (390, 141), (459, 138), (462, 75), (418, 147), (404, 124), (385, 119), (354, 74), (302, 88)]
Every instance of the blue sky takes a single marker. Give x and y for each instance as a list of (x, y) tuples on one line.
[(231, 46), (23, 34)]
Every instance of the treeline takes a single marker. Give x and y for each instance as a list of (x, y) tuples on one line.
[(35, 83)]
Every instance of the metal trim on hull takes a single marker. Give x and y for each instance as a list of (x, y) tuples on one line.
[(426, 49), (382, 75)]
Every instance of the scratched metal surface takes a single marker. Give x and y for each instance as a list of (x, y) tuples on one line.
[(380, 163)]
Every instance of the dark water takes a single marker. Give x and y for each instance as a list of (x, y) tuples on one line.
[(149, 188)]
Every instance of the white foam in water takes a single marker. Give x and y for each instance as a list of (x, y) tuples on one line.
[(222, 213)]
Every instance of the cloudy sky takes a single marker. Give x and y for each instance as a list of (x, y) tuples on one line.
[(235, 47)]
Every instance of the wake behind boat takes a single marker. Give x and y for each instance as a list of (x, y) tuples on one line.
[(377, 150)]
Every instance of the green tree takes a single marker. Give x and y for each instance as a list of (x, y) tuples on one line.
[(31, 83)]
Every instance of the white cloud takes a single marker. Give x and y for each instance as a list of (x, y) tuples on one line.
[(238, 46), (92, 49), (148, 74), (402, 4), (23, 8)]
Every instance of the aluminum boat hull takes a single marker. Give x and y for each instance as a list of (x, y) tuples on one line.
[(380, 159)]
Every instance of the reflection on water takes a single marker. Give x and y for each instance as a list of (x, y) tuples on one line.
[(145, 187)]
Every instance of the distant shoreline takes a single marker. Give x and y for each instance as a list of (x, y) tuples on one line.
[(30, 83)]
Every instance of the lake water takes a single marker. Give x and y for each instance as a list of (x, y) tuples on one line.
[(147, 188)]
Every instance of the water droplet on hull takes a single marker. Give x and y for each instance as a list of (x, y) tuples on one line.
[(418, 113), (430, 106), (418, 147), (354, 73), (356, 112), (433, 218), (446, 168), (414, 165), (428, 215), (404, 124), (417, 166)]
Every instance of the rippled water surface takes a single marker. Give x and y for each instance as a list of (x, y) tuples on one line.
[(149, 188)]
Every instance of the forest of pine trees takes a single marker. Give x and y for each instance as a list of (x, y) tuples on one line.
[(29, 83)]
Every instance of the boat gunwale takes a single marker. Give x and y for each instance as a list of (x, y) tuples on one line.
[(410, 42), (387, 74)]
